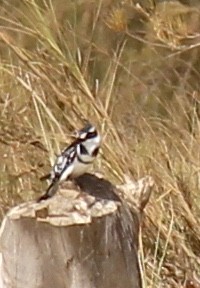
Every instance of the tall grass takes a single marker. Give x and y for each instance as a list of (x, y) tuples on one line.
[(112, 64)]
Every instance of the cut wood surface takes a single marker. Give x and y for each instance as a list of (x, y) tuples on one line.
[(83, 238)]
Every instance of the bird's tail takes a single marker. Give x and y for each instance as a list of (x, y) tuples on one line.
[(51, 190)]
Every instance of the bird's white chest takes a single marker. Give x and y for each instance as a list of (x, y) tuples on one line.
[(74, 170), (79, 169)]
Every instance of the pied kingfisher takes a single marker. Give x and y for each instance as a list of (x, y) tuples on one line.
[(74, 160)]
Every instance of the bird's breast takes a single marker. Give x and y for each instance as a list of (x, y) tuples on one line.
[(79, 169)]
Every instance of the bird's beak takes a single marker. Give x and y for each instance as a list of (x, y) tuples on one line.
[(79, 135)]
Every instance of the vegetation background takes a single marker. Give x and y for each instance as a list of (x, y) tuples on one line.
[(133, 69)]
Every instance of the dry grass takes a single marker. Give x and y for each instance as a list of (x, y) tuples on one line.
[(60, 66)]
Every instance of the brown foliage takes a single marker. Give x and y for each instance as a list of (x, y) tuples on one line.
[(134, 71)]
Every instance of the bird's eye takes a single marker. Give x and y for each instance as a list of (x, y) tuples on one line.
[(91, 135)]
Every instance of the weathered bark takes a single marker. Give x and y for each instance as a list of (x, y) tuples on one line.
[(75, 239)]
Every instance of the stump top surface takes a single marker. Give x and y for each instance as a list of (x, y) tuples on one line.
[(97, 198)]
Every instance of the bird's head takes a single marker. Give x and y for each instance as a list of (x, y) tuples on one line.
[(89, 131)]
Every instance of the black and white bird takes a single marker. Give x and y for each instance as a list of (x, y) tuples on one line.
[(74, 160)]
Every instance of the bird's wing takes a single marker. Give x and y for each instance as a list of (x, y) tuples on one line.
[(61, 170), (63, 163)]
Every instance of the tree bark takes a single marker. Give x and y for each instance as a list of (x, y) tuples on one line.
[(75, 239)]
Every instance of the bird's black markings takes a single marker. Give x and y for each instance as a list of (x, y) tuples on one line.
[(83, 150), (64, 160), (73, 144), (91, 135), (95, 152)]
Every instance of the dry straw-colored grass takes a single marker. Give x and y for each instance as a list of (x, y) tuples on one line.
[(105, 61)]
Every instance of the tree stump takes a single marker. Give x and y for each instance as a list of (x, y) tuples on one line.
[(83, 238)]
